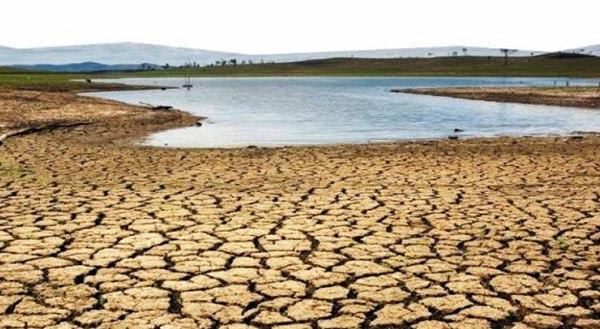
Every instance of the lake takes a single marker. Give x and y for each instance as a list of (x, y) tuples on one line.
[(326, 110)]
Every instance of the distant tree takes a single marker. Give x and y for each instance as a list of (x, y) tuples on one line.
[(430, 54), (464, 50), (166, 66), (455, 53), (233, 61), (250, 62), (506, 52), (223, 62)]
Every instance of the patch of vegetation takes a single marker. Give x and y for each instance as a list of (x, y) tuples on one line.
[(539, 66), (34, 80), (462, 66), (6, 70), (563, 243), (54, 82)]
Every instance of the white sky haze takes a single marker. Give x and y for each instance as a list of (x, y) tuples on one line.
[(270, 26)]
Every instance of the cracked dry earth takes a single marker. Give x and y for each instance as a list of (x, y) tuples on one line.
[(498, 233)]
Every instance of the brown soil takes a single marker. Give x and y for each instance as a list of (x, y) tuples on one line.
[(111, 120), (588, 97), (500, 233)]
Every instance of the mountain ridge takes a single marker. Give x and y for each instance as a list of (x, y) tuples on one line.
[(130, 52), (127, 55), (109, 54), (593, 50), (87, 67)]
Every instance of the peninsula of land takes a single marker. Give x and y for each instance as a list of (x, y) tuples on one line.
[(588, 97)]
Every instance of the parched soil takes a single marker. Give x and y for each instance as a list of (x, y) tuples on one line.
[(499, 233), (588, 97)]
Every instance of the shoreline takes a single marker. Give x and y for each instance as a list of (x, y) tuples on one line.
[(125, 123), (573, 135), (562, 97), (136, 122), (581, 97), (110, 121)]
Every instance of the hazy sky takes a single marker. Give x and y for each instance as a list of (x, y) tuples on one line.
[(277, 26)]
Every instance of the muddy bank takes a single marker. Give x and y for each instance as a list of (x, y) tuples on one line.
[(587, 97)]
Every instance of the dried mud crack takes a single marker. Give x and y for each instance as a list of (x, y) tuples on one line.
[(501, 233)]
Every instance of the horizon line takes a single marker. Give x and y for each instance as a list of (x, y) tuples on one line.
[(285, 53)]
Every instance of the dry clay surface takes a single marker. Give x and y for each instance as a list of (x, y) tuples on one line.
[(460, 234)]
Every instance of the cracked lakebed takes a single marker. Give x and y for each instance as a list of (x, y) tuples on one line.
[(482, 233)]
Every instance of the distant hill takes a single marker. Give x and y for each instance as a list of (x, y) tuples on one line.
[(128, 55), (127, 52), (453, 51), (88, 67), (567, 54), (12, 69), (110, 54), (547, 65), (593, 50)]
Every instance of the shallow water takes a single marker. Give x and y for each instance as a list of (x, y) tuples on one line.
[(305, 111)]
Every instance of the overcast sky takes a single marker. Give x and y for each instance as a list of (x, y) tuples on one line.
[(280, 26)]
